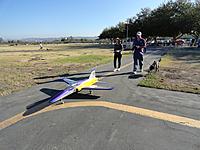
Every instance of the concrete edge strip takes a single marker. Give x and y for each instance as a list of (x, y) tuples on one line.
[(121, 107)]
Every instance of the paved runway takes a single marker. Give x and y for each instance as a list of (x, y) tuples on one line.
[(128, 117)]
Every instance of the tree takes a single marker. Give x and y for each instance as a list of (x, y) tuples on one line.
[(171, 19), (113, 32), (196, 18), (1, 40), (62, 39), (139, 23)]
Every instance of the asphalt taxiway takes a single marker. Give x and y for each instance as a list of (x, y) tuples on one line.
[(128, 117)]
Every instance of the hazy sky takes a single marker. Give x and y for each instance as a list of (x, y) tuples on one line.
[(56, 18)]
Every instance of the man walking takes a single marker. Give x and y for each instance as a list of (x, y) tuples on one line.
[(139, 45)]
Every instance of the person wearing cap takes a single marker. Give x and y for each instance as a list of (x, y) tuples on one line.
[(117, 54), (139, 45)]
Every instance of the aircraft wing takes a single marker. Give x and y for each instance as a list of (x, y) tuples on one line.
[(97, 87), (69, 81), (66, 92)]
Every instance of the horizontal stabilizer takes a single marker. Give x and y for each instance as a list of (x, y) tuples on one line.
[(69, 81)]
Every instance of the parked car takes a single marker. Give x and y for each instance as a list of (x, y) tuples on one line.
[(128, 45), (199, 43), (180, 41)]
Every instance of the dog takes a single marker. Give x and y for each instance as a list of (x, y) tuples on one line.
[(154, 66)]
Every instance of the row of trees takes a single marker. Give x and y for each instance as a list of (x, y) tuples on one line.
[(1, 39), (56, 41), (77, 40), (171, 19)]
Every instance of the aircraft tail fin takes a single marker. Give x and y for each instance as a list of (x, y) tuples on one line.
[(92, 75)]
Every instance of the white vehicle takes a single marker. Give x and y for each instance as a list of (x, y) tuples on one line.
[(198, 43), (127, 44)]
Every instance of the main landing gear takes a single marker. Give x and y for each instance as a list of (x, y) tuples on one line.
[(60, 102), (90, 92)]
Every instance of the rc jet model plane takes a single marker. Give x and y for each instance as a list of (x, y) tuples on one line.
[(77, 86)]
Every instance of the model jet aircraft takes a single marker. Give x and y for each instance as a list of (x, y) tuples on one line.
[(77, 86)]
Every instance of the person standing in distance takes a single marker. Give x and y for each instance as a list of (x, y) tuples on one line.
[(41, 46), (117, 54), (139, 45)]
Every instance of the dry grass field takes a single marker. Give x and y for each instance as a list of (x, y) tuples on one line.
[(23, 66)]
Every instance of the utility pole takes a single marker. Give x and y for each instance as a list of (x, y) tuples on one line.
[(126, 26), (126, 31)]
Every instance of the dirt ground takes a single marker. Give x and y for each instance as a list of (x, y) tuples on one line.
[(23, 66), (179, 71)]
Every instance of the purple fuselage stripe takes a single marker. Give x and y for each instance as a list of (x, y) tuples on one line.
[(65, 92), (70, 90), (61, 94)]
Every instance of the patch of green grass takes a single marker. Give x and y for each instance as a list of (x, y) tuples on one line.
[(151, 80), (154, 80), (25, 68), (179, 71), (167, 60), (95, 59)]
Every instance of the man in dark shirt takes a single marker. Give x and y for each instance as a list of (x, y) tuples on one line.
[(139, 45), (117, 54)]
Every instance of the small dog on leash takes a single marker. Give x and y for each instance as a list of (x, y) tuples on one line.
[(155, 66)]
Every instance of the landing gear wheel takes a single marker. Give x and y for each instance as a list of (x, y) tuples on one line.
[(90, 92), (60, 102)]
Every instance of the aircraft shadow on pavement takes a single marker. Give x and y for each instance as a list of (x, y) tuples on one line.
[(52, 92), (39, 105), (135, 76)]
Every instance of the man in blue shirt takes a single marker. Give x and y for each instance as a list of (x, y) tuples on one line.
[(139, 45)]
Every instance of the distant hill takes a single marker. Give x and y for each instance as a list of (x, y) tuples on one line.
[(89, 38), (39, 39), (53, 39)]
